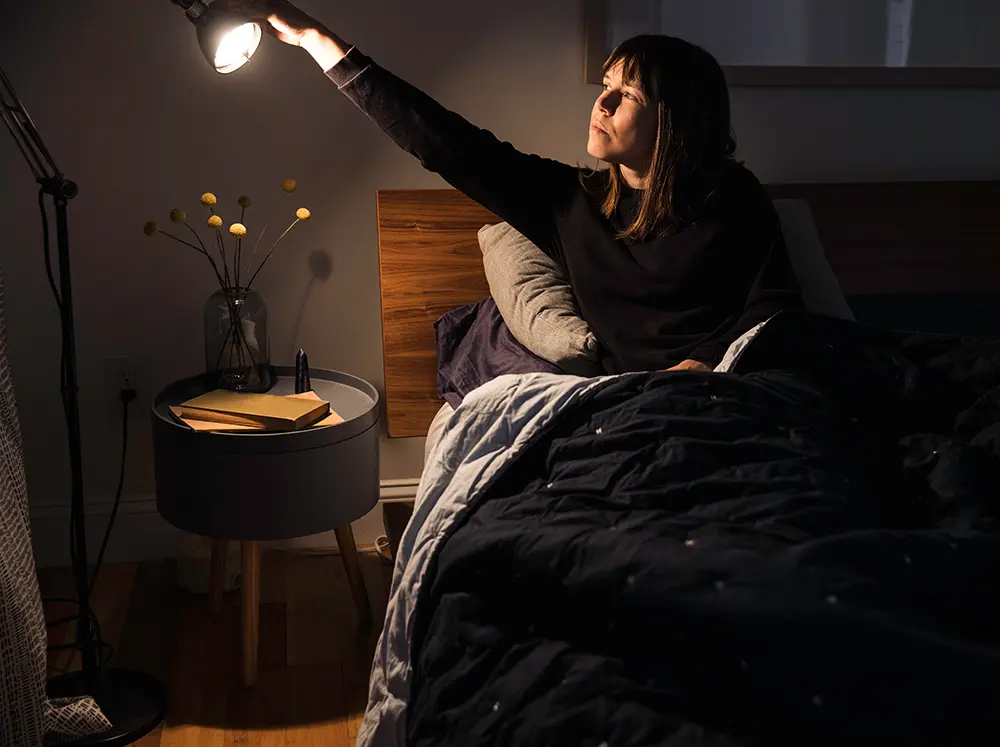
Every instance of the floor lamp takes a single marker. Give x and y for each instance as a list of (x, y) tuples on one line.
[(133, 702)]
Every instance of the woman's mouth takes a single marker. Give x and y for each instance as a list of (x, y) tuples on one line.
[(594, 127)]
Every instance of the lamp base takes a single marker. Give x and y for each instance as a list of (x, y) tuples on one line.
[(133, 701)]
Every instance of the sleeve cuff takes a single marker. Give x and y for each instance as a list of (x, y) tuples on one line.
[(350, 67), (709, 355)]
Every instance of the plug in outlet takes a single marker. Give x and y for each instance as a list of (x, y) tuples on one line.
[(123, 372)]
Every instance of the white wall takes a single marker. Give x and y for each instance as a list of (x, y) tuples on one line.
[(780, 28), (131, 112), (819, 32), (846, 32), (950, 32)]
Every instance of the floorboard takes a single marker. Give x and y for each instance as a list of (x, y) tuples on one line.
[(314, 656)]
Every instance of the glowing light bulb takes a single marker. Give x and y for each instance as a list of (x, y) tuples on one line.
[(237, 47)]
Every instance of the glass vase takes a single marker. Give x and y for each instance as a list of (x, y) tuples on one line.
[(236, 341)]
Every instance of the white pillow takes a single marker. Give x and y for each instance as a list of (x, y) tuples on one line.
[(821, 291)]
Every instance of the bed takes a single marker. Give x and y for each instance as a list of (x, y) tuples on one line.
[(798, 548)]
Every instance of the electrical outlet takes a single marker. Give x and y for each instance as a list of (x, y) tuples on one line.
[(123, 372)]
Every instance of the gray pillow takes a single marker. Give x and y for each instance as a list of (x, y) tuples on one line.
[(821, 291), (536, 301)]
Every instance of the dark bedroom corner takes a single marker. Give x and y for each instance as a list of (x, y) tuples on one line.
[(580, 372)]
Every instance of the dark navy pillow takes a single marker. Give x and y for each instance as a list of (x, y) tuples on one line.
[(474, 345)]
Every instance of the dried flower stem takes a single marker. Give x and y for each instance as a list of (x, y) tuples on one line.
[(268, 256), (222, 248), (236, 261), (233, 328), (200, 250), (262, 232), (235, 331), (240, 344), (204, 249), (222, 253), (239, 247), (225, 342)]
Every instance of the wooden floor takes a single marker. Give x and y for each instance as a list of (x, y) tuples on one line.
[(314, 657)]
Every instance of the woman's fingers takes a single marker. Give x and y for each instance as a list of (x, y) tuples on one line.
[(280, 25), (278, 18), (267, 28), (285, 31)]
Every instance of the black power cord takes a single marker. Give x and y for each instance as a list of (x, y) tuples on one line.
[(127, 396)]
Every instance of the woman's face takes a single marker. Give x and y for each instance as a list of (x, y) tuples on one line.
[(622, 124)]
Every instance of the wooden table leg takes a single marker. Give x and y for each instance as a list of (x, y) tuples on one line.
[(250, 610), (349, 554), (220, 549)]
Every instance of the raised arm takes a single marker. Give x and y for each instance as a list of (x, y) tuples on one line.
[(527, 191)]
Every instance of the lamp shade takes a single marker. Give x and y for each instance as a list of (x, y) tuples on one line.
[(227, 39)]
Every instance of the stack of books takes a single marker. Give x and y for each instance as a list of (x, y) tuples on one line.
[(225, 410)]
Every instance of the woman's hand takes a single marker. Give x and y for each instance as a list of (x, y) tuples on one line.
[(293, 26), (285, 22), (289, 21), (690, 365)]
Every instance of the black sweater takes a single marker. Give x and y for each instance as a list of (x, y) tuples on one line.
[(650, 304)]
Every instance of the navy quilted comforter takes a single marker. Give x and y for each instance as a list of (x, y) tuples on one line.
[(802, 552)]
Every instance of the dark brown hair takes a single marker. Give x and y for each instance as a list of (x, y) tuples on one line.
[(694, 139)]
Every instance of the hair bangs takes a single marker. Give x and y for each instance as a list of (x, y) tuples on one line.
[(637, 67)]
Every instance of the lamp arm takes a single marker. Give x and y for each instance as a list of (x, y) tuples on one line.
[(30, 143), (22, 129)]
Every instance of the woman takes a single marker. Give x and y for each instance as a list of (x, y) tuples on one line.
[(673, 252)]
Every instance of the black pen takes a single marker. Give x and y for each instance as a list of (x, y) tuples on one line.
[(302, 380)]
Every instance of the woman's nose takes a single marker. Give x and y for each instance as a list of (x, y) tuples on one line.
[(606, 102)]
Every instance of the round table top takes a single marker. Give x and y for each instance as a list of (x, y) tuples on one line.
[(351, 397)]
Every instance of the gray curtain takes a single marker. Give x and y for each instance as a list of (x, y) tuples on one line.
[(26, 715)]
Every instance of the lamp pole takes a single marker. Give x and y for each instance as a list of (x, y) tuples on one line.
[(133, 702), (61, 190)]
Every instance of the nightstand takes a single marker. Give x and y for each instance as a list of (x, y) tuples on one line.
[(255, 487)]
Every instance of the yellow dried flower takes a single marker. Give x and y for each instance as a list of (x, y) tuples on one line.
[(150, 229), (177, 215), (238, 229), (214, 221), (208, 199), (288, 185), (302, 214), (244, 201)]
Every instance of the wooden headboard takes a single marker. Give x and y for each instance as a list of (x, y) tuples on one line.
[(886, 237)]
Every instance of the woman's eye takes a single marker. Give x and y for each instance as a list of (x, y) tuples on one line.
[(630, 96)]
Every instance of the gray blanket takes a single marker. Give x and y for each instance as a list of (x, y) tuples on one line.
[(487, 431)]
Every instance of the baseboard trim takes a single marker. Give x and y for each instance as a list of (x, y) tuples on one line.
[(140, 533), (394, 491)]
